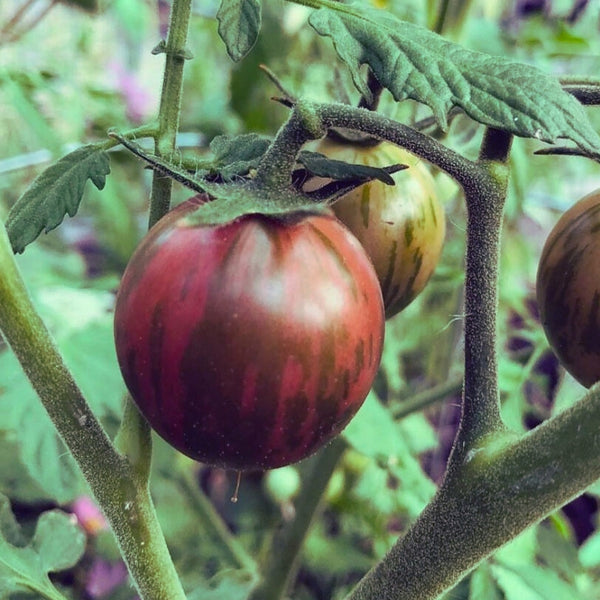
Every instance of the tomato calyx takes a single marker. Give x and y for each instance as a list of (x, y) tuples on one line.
[(230, 179)]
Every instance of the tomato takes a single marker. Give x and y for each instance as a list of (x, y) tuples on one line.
[(249, 345), (568, 289), (402, 227)]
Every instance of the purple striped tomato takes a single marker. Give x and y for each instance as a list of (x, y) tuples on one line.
[(402, 227), (568, 289), (249, 345)]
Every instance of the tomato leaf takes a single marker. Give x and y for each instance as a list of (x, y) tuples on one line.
[(413, 62), (236, 155), (57, 544), (55, 192), (239, 25)]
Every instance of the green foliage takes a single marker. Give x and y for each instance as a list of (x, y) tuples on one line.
[(54, 193), (492, 90), (239, 26), (57, 544), (387, 476)]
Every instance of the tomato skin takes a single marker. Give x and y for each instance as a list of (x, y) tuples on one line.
[(568, 289), (401, 227), (249, 345)]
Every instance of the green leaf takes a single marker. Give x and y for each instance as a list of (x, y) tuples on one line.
[(589, 553), (230, 584), (393, 455), (237, 155), (482, 585), (530, 582), (239, 25), (57, 544), (88, 351), (55, 192), (413, 62)]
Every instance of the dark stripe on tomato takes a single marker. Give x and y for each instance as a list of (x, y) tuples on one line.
[(359, 362), (409, 233), (432, 210), (365, 204), (389, 275)]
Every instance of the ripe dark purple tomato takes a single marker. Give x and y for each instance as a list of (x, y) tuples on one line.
[(402, 227), (249, 345), (568, 289)]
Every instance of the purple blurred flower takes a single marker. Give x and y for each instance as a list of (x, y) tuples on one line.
[(88, 515), (139, 101), (104, 577)]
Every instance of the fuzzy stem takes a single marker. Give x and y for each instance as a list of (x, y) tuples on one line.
[(120, 491), (275, 168), (485, 196), (499, 494), (170, 103)]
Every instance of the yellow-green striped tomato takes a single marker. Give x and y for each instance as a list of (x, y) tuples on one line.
[(568, 289), (401, 227)]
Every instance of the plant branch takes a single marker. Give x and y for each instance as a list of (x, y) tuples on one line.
[(170, 102), (485, 196), (500, 493), (120, 491)]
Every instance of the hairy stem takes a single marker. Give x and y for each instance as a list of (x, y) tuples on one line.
[(121, 493), (170, 102), (499, 494)]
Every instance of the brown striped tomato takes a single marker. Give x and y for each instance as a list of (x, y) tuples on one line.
[(402, 227), (249, 345), (568, 289)]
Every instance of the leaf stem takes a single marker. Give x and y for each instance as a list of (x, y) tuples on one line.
[(120, 491)]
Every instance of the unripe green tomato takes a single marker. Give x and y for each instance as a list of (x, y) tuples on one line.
[(401, 227), (283, 484), (568, 289)]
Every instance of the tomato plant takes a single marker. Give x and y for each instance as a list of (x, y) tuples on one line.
[(401, 227), (249, 345), (568, 289)]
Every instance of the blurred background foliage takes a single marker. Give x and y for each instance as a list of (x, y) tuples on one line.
[(70, 70)]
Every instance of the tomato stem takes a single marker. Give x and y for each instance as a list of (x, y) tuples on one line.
[(121, 493), (170, 102)]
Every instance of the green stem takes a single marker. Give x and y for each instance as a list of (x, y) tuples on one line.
[(499, 494), (121, 493), (485, 196), (463, 170), (170, 103), (427, 398), (287, 543), (275, 169)]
